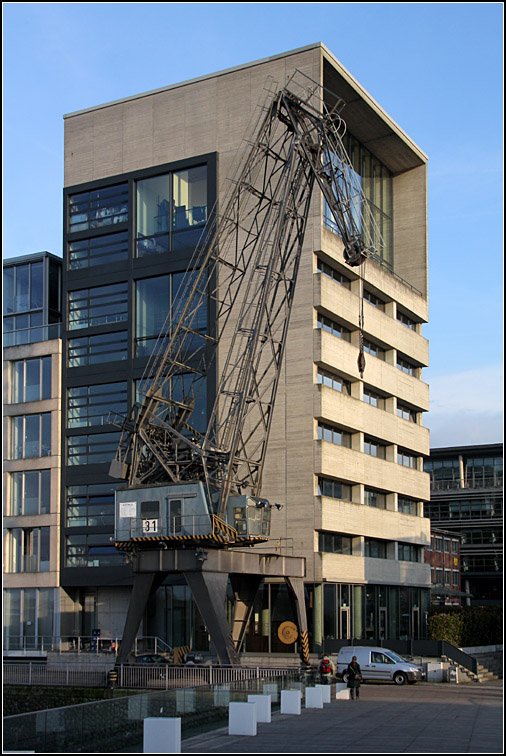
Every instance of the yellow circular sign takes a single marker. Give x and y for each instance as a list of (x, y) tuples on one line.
[(288, 633)]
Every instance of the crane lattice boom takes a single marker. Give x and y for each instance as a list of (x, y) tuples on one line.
[(245, 273)]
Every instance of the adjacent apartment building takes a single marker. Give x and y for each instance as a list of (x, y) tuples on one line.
[(345, 453), (32, 450), (466, 496)]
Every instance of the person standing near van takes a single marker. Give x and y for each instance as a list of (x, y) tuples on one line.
[(354, 677), (327, 670)]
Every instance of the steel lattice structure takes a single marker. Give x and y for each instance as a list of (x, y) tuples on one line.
[(246, 264)]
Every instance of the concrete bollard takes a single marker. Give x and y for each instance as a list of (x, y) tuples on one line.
[(314, 698), (263, 704), (242, 718), (291, 701), (343, 694), (162, 735), (326, 691)]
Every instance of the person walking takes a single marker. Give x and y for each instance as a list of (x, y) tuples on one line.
[(354, 678)]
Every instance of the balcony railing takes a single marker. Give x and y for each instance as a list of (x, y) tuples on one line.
[(32, 335), (456, 485)]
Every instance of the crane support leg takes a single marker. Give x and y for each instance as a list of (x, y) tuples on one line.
[(145, 583), (296, 588), (245, 588), (209, 590)]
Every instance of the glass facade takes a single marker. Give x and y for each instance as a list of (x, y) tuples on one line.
[(31, 379), (467, 498), (375, 181), (99, 305), (30, 493), (31, 299), (128, 243), (171, 211), (27, 550), (93, 405), (31, 436), (99, 208), (30, 617)]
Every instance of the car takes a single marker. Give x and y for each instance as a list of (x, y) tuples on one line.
[(152, 660), (378, 664)]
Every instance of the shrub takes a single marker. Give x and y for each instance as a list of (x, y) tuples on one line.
[(466, 625)]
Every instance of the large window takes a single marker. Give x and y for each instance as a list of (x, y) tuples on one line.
[(92, 350), (92, 449), (99, 250), (373, 498), (91, 405), (370, 396), (334, 489), (31, 380), (23, 288), (375, 548), (373, 349), (90, 505), (407, 506), (408, 552), (484, 472), (407, 459), (29, 617), (331, 272), (171, 211), (406, 366), (92, 550), (159, 303), (406, 412), (31, 436), (333, 435), (334, 543), (98, 208), (30, 493), (27, 549), (99, 305), (333, 381), (331, 326), (375, 448), (376, 183)]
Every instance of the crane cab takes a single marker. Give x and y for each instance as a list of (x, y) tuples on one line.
[(183, 512), (249, 515), (153, 511)]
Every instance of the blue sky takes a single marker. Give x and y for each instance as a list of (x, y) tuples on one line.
[(435, 68)]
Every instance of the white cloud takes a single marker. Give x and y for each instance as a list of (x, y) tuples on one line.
[(466, 407)]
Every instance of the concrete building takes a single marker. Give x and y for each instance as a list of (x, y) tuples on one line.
[(345, 454), (32, 451), (466, 493)]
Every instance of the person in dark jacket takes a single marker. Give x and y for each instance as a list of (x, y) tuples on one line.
[(354, 678)]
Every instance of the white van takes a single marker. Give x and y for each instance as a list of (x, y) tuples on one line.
[(378, 664)]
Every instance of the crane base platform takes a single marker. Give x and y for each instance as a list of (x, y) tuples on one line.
[(207, 573)]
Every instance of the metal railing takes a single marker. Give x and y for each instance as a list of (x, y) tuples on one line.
[(116, 725), (144, 677), (462, 485), (32, 335)]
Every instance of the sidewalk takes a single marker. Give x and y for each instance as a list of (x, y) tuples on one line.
[(423, 718)]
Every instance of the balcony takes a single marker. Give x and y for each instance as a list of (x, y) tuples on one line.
[(470, 485), (32, 335)]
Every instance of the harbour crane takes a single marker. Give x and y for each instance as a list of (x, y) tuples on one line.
[(192, 502)]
